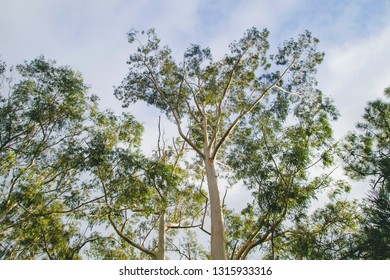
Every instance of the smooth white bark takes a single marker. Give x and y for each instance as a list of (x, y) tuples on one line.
[(161, 238), (218, 251)]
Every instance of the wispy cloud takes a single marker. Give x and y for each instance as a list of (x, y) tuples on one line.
[(354, 73)]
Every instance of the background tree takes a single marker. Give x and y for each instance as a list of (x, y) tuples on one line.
[(327, 234), (367, 156), (67, 169), (41, 126), (145, 199), (207, 100), (374, 240)]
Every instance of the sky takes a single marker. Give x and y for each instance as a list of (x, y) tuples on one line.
[(90, 36)]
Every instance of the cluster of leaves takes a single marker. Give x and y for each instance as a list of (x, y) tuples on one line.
[(41, 123), (327, 234)]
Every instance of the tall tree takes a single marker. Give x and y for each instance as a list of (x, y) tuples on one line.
[(207, 100)]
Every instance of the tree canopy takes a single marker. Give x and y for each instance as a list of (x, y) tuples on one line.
[(75, 183), (41, 124), (208, 100)]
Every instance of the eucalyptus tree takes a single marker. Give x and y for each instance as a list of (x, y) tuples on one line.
[(42, 111), (208, 100), (283, 153), (67, 168), (348, 229)]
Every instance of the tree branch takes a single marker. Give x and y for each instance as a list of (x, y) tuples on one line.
[(16, 180), (120, 233), (131, 242), (185, 138), (248, 110), (225, 91)]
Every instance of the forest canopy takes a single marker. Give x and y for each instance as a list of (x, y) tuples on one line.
[(75, 183)]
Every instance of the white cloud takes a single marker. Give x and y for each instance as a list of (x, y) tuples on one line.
[(354, 73), (243, 15)]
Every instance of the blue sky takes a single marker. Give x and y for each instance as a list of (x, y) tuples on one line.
[(90, 36)]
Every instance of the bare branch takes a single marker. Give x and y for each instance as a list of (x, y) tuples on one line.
[(16, 180), (201, 112), (204, 213), (185, 138), (119, 232), (192, 113), (179, 154), (46, 245), (72, 209), (131, 242), (154, 225), (224, 197), (159, 138)]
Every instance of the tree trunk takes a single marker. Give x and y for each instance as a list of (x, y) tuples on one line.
[(218, 251), (161, 238)]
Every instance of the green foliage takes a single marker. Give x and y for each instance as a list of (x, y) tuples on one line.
[(374, 243), (41, 124), (74, 183), (136, 190), (66, 166), (346, 229), (274, 154), (366, 155), (329, 233), (110, 248), (215, 95)]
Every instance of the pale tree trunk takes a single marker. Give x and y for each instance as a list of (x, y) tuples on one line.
[(218, 251), (161, 238)]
